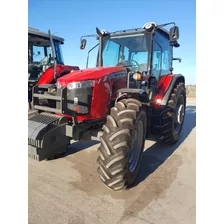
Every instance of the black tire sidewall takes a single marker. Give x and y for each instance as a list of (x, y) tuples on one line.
[(181, 91), (131, 177)]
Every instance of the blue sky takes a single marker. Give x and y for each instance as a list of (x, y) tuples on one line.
[(71, 19)]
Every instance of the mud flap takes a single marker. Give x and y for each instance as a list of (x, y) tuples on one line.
[(46, 136)]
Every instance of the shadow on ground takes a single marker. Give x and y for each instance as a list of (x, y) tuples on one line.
[(157, 154), (79, 146), (75, 148)]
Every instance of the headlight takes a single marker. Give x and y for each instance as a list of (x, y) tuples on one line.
[(137, 76), (82, 84)]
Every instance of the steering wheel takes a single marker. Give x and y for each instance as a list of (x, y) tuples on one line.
[(44, 61), (130, 63), (134, 63)]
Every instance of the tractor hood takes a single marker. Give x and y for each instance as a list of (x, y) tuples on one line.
[(89, 74)]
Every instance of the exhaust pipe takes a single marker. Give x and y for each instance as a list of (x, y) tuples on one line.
[(100, 59), (53, 55)]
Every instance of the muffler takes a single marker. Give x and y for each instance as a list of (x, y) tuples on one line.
[(46, 135)]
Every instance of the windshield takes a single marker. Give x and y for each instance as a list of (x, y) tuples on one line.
[(38, 53), (129, 50)]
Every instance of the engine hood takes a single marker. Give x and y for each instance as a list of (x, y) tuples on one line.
[(89, 74)]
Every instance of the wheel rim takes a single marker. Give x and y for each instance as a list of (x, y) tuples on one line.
[(179, 114), (136, 146)]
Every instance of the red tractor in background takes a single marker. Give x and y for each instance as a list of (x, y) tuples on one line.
[(131, 95), (43, 54)]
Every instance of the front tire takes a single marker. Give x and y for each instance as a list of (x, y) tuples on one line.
[(122, 144)]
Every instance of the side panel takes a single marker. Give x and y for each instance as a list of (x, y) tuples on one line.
[(105, 93), (48, 76)]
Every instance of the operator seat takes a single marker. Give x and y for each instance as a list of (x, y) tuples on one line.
[(142, 67)]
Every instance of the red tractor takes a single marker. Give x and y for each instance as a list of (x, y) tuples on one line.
[(43, 53), (131, 95)]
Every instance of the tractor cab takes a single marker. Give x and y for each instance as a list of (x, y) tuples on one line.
[(147, 52), (39, 53)]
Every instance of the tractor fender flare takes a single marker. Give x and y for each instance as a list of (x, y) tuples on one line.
[(138, 94), (176, 79), (48, 75)]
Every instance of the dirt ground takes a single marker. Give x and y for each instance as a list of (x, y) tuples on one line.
[(68, 190)]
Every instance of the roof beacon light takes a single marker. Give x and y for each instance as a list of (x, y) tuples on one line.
[(104, 32), (149, 25)]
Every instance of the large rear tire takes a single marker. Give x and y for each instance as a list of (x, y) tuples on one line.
[(173, 116), (122, 144)]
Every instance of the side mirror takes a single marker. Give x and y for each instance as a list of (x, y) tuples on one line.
[(38, 52), (176, 44), (83, 44), (174, 33)]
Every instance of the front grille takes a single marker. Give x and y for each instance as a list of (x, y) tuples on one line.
[(61, 100), (84, 96), (48, 98)]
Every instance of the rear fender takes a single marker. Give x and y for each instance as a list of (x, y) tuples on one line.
[(164, 89), (176, 79)]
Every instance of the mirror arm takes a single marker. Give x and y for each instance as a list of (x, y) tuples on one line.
[(87, 61), (166, 24), (91, 35), (177, 59)]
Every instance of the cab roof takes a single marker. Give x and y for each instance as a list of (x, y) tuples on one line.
[(36, 36), (161, 30)]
